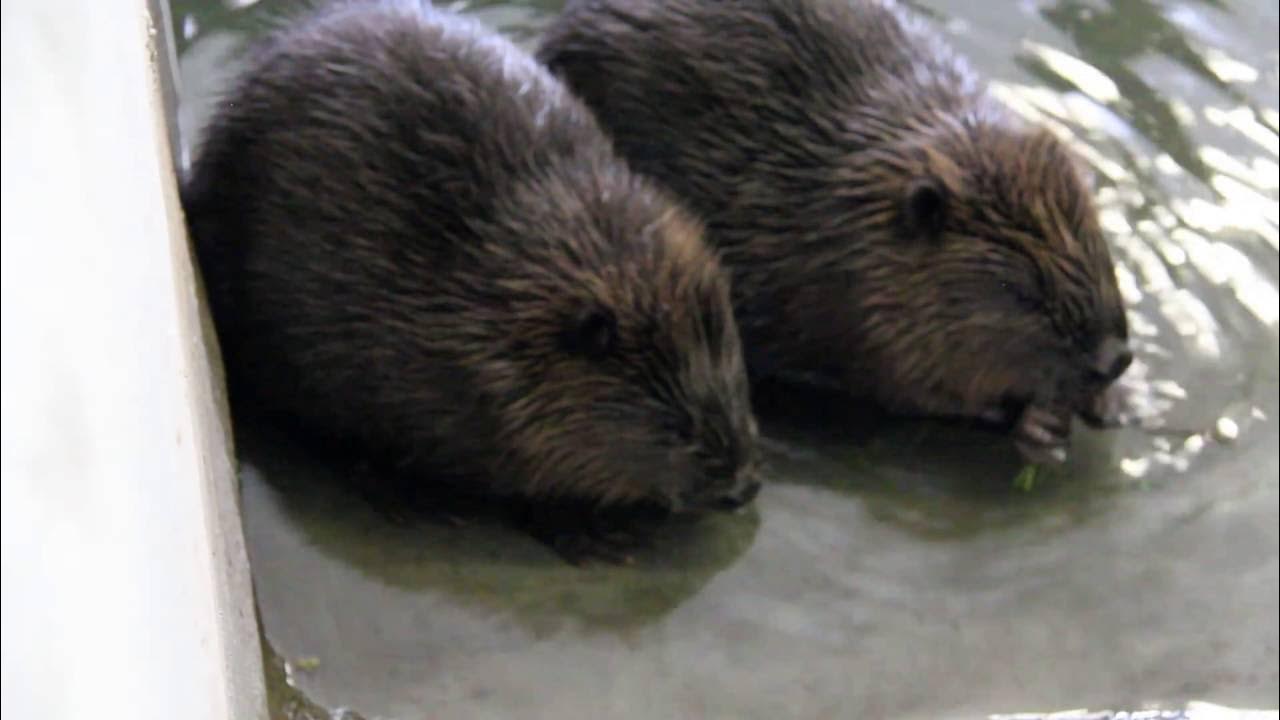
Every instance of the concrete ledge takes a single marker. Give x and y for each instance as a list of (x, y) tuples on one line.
[(125, 578)]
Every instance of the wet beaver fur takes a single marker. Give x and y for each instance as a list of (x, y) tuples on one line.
[(415, 240), (891, 228)]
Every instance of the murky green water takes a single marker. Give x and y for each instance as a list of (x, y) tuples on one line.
[(891, 569)]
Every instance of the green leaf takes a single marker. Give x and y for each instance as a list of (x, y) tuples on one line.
[(1026, 478)]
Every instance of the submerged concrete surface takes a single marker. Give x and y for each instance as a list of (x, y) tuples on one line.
[(126, 591), (847, 592)]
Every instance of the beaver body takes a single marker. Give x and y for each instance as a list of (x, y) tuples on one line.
[(415, 240), (892, 230)]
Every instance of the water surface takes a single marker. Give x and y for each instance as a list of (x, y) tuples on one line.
[(892, 569)]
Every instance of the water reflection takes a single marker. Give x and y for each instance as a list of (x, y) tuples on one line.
[(476, 561)]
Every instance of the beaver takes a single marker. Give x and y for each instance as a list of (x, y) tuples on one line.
[(892, 230), (416, 241)]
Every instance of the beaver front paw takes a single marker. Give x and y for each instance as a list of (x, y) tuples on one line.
[(583, 535), (1042, 434), (584, 546)]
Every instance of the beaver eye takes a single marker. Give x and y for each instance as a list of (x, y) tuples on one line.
[(1028, 296), (593, 333), (925, 207), (712, 323)]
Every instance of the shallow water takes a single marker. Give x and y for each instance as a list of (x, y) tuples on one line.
[(892, 568)]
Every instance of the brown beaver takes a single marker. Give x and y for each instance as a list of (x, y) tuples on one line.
[(417, 240), (890, 227)]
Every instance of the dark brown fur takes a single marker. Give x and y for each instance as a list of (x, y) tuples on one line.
[(416, 240), (890, 227)]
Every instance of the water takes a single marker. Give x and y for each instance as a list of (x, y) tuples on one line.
[(892, 569)]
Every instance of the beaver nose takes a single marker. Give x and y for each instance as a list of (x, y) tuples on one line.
[(741, 494), (1111, 359)]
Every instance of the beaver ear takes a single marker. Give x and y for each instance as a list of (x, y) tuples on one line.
[(924, 208), (593, 333)]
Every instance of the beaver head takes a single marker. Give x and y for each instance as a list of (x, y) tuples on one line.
[(611, 352), (983, 286)]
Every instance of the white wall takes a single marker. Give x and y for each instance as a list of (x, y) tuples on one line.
[(125, 583)]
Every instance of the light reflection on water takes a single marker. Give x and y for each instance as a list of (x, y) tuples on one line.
[(1176, 242), (1174, 107)]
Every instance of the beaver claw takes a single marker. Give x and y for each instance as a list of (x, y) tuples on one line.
[(1042, 435)]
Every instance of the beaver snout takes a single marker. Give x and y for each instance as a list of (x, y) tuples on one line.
[(1111, 358), (740, 495), (727, 494), (1103, 400)]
